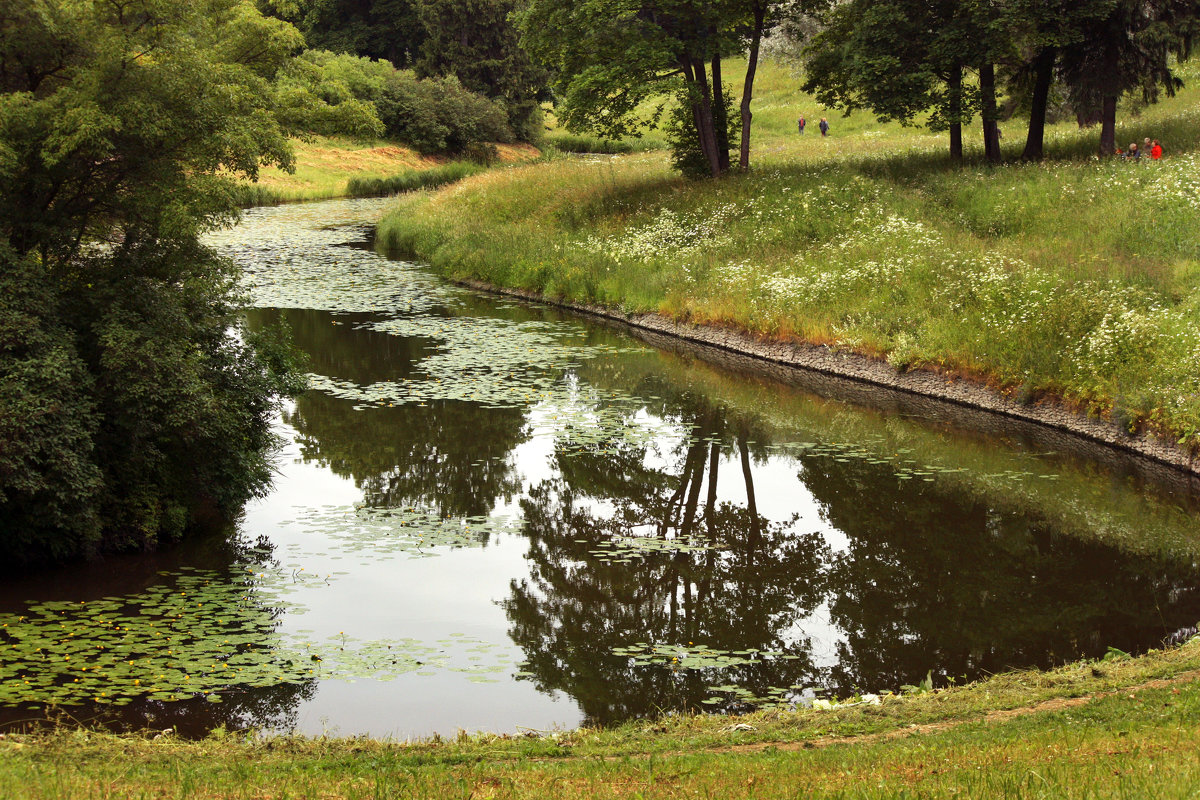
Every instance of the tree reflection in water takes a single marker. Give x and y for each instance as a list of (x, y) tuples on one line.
[(748, 591), (931, 578), (933, 581), (451, 457)]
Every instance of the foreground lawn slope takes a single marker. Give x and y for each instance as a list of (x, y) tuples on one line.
[(1075, 278), (1124, 727)]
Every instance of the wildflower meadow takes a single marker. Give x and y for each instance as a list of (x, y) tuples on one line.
[(1077, 278)]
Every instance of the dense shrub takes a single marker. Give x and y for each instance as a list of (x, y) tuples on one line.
[(327, 93), (684, 141), (49, 478), (437, 115), (483, 153)]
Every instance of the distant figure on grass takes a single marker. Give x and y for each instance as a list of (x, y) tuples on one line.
[(1133, 154), (824, 126), (800, 123), (1155, 150)]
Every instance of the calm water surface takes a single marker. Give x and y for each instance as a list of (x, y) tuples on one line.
[(490, 515)]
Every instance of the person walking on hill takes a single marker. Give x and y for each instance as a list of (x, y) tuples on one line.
[(824, 126), (800, 123)]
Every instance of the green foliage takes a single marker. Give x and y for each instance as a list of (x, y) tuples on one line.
[(49, 481), (411, 181), (438, 115), (329, 93), (684, 141), (122, 138), (383, 29), (326, 93), (581, 143), (610, 67), (474, 41)]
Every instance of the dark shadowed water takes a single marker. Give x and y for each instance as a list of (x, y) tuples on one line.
[(491, 515)]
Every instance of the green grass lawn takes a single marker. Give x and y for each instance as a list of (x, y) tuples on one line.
[(1076, 278), (1124, 728)]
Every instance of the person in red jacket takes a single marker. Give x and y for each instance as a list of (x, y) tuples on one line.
[(1155, 150)]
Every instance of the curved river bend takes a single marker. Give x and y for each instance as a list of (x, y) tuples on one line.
[(490, 515)]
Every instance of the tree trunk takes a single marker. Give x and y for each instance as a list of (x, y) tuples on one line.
[(1108, 127), (751, 503), (987, 93), (1044, 71), (710, 504), (693, 495), (956, 143), (720, 120), (702, 114), (760, 16)]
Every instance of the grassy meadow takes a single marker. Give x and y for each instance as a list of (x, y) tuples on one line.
[(326, 165), (1120, 728), (1076, 278)]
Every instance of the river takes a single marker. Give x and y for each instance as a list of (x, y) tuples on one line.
[(491, 515)]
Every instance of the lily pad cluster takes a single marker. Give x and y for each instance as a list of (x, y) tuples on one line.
[(200, 634), (494, 362), (390, 531), (188, 637), (348, 658), (903, 464), (311, 255), (677, 657), (626, 549), (729, 695)]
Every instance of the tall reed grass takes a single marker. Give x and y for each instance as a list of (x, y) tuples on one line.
[(413, 180)]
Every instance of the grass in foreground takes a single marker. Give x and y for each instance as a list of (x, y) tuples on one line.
[(1076, 278), (1127, 735)]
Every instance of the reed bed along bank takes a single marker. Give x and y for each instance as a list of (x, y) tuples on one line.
[(411, 181), (1077, 278)]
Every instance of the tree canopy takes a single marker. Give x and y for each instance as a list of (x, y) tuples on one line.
[(611, 62), (944, 62), (129, 413)]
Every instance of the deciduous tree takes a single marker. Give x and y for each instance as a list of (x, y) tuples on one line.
[(124, 125)]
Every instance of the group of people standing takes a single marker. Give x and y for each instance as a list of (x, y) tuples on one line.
[(823, 125), (1150, 149)]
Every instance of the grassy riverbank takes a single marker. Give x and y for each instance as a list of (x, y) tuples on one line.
[(1076, 278), (325, 166), (1123, 727)]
